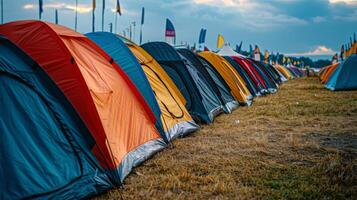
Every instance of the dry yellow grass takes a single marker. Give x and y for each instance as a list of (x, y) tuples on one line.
[(300, 143)]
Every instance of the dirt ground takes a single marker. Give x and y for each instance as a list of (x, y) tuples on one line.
[(300, 143)]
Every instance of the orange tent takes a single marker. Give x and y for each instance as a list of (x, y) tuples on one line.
[(120, 121), (327, 72)]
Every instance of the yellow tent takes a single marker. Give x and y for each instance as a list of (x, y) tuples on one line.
[(235, 82), (283, 71), (175, 116)]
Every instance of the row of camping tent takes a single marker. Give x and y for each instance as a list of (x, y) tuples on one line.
[(79, 112), (340, 76)]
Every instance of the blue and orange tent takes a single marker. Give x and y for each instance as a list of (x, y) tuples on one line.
[(345, 75), (116, 114), (173, 124), (46, 149)]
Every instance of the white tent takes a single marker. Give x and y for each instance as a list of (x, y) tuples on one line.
[(228, 51)]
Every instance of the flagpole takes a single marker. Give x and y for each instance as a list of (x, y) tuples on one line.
[(2, 11), (40, 9), (93, 15), (134, 25), (56, 16), (141, 34), (142, 24), (76, 16), (116, 22), (103, 8)]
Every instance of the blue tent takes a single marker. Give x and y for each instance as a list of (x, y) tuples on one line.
[(202, 103), (345, 75), (122, 55), (214, 80), (249, 83), (46, 148)]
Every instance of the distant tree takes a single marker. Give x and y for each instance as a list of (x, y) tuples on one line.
[(322, 63)]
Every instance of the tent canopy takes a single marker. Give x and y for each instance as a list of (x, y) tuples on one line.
[(202, 104), (51, 139), (120, 53), (114, 111), (213, 80), (345, 75)]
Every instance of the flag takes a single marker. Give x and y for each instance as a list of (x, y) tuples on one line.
[(40, 6), (266, 56), (142, 16), (206, 49), (239, 47), (251, 52), (256, 53), (142, 23), (284, 60), (56, 16), (170, 32), (202, 38), (103, 9), (220, 41), (2, 11), (93, 14), (118, 8)]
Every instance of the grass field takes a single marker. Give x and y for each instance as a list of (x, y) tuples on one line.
[(300, 143)]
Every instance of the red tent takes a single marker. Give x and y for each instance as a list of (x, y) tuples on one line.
[(251, 71)]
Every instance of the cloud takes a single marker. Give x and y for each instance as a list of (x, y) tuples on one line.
[(251, 14), (349, 17), (319, 51), (62, 6), (318, 19), (347, 2)]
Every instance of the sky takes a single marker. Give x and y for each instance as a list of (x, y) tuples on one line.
[(293, 27)]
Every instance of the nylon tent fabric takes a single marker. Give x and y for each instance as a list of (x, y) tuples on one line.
[(235, 82), (199, 104), (211, 99), (212, 79), (271, 86), (283, 77), (252, 73), (228, 51), (255, 89), (45, 151), (328, 72), (230, 103), (121, 54), (345, 75), (175, 116), (117, 116), (118, 51), (284, 71)]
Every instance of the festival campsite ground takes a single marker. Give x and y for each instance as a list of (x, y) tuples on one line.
[(300, 143)]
